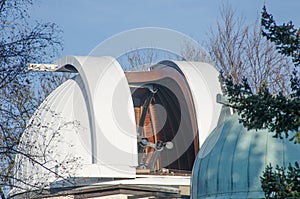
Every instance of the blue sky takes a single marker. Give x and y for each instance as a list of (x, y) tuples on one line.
[(86, 23)]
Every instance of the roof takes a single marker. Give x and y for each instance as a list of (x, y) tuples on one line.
[(87, 128), (232, 159)]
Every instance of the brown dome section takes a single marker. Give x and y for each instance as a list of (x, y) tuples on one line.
[(164, 112)]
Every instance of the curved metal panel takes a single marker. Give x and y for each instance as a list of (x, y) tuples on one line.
[(98, 101), (53, 128), (231, 161), (204, 84), (111, 113)]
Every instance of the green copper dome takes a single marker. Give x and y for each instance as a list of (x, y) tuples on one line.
[(232, 159)]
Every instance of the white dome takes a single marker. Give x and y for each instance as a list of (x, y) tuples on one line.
[(77, 124), (86, 129)]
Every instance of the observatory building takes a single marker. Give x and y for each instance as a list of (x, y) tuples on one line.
[(106, 133)]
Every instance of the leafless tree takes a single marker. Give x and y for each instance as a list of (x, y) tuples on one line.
[(39, 159), (192, 51), (142, 59), (14, 124), (239, 50), (21, 91)]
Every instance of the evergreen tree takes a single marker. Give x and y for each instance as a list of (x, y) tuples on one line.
[(277, 112), (281, 182), (263, 110)]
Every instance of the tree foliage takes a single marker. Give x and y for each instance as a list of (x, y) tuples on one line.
[(280, 182), (260, 106), (286, 37), (263, 109)]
